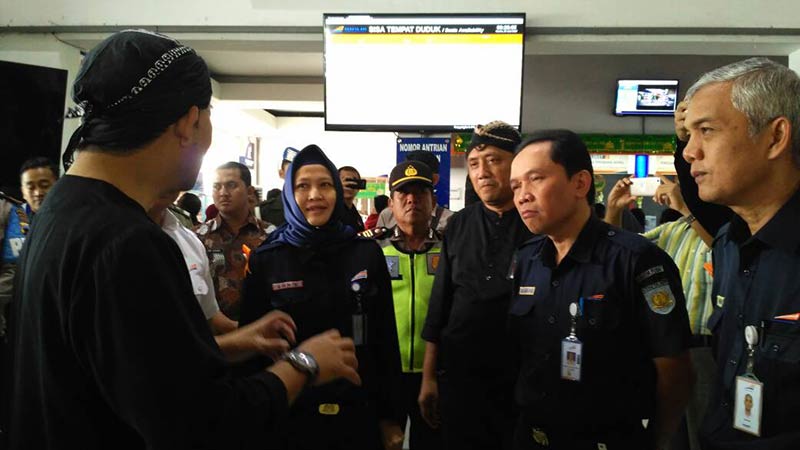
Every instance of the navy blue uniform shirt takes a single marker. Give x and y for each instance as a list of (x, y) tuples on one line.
[(633, 311), (757, 278)]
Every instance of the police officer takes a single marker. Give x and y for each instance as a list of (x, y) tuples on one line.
[(412, 250), (597, 314), (744, 151), (317, 270), (468, 374)]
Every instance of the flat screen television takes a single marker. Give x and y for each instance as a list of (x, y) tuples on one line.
[(422, 72), (31, 117), (646, 97)]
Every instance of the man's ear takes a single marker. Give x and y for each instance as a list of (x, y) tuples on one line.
[(780, 137), (435, 179), (583, 181), (185, 126)]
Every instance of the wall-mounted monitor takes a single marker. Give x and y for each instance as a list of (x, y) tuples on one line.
[(422, 72), (31, 117), (646, 97)]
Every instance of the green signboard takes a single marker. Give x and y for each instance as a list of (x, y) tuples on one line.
[(650, 144)]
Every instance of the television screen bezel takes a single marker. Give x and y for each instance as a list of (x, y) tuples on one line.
[(646, 114), (422, 129)]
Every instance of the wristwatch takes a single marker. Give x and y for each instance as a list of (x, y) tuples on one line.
[(689, 219), (303, 362)]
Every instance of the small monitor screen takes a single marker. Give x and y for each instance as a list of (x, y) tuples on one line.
[(646, 97)]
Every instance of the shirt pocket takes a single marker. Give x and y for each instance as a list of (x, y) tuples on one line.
[(600, 315), (525, 297), (778, 367), (288, 300), (781, 342), (714, 320)]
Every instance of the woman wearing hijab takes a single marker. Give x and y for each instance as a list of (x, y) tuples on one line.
[(322, 274)]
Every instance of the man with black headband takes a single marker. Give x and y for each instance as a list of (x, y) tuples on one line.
[(111, 349), (465, 327)]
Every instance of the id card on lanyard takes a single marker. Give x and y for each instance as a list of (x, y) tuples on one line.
[(749, 391), (571, 350)]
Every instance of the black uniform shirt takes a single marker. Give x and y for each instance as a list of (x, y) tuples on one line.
[(469, 301), (317, 288), (756, 279), (112, 348), (633, 311)]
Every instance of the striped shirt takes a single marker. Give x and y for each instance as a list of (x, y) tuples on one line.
[(690, 254)]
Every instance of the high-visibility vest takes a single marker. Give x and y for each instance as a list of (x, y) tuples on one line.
[(412, 280)]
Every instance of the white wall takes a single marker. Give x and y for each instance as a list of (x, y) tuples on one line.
[(578, 91), (794, 61), (373, 154)]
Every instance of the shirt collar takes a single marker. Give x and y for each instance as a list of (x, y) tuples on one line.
[(217, 222), (581, 250), (398, 238), (169, 222), (493, 216), (779, 232)]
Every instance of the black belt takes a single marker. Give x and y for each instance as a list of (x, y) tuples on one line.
[(701, 340)]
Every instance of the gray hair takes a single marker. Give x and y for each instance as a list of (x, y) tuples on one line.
[(762, 90)]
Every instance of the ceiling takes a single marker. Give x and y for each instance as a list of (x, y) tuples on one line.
[(269, 52)]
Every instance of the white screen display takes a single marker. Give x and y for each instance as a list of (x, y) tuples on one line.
[(646, 97), (402, 72)]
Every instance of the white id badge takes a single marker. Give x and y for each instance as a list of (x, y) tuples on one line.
[(571, 359), (747, 410), (359, 329)]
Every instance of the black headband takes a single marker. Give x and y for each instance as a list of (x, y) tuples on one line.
[(132, 86)]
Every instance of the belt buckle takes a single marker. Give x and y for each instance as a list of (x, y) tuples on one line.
[(329, 409), (540, 437)]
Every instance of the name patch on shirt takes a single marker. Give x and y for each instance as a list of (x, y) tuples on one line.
[(287, 285), (527, 290), (659, 297)]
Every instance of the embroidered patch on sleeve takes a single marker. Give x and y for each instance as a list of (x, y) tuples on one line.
[(659, 297)]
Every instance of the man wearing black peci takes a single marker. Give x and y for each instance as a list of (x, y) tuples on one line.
[(110, 347), (468, 372)]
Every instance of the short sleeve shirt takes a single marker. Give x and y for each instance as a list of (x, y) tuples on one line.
[(196, 262), (631, 310), (757, 282), (228, 259)]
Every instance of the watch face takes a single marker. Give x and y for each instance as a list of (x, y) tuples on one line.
[(304, 362)]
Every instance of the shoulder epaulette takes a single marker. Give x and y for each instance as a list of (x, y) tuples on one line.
[(632, 241), (374, 233)]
